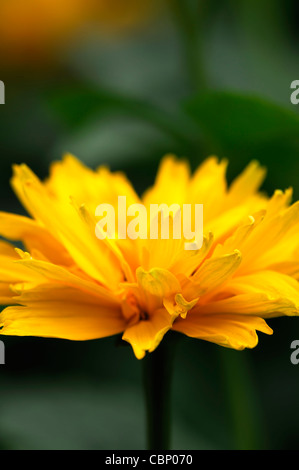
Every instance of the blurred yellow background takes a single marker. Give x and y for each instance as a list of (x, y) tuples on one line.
[(35, 31)]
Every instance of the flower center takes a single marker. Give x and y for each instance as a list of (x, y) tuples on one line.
[(132, 310), (143, 315)]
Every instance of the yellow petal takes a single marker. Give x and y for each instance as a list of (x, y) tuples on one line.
[(48, 271), (34, 236), (189, 260), (158, 282), (237, 240), (11, 274), (95, 187), (224, 225), (7, 249), (246, 184), (279, 201), (241, 200), (92, 255), (11, 271), (110, 243), (274, 240), (259, 304), (180, 306), (164, 190), (275, 294), (268, 238), (6, 294), (232, 331), (159, 252), (215, 271), (147, 334), (154, 286), (208, 187), (61, 312)]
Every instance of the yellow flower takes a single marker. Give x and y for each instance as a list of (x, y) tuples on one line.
[(35, 31), (69, 284)]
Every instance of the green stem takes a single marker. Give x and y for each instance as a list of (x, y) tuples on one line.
[(157, 387), (189, 18), (243, 401)]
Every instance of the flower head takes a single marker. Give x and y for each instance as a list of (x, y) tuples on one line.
[(67, 283)]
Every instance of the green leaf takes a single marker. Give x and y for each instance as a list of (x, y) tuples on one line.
[(239, 120), (81, 105), (243, 127)]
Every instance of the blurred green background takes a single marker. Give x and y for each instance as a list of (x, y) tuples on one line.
[(192, 78)]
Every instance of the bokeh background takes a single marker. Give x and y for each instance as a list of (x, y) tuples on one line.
[(122, 83)]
